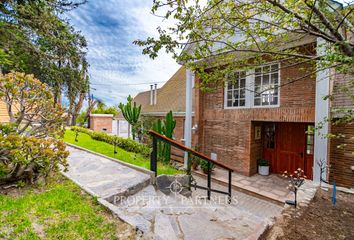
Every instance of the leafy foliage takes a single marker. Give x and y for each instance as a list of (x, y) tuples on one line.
[(213, 38), (29, 158), (36, 39), (30, 106), (204, 165), (126, 144), (28, 145), (131, 113)]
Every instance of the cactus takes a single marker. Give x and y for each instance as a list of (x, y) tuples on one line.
[(131, 113), (165, 127)]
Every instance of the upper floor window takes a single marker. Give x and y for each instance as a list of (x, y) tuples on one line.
[(236, 92), (266, 84)]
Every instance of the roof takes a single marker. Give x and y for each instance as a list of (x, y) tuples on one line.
[(170, 97)]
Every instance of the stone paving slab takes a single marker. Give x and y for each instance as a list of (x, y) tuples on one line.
[(103, 177), (273, 187), (160, 216)]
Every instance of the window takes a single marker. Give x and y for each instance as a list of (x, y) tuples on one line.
[(269, 136), (310, 139), (266, 85), (235, 90)]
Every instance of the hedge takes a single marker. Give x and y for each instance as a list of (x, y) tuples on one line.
[(124, 143)]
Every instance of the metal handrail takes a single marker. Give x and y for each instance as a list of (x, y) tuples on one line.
[(153, 162)]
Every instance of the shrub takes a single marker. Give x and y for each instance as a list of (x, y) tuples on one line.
[(25, 159), (29, 148), (204, 165), (124, 143)]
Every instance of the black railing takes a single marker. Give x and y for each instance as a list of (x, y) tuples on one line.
[(153, 162)]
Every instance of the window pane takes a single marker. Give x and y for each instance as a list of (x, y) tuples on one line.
[(274, 100), (242, 93), (266, 69), (258, 81), (236, 94), (236, 103), (243, 83), (265, 81), (257, 101), (275, 78), (229, 95), (275, 67), (265, 99), (242, 102), (229, 103), (258, 71), (229, 85)]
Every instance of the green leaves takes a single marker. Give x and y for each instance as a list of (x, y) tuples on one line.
[(131, 113)]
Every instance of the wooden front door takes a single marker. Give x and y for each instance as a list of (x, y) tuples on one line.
[(290, 147), (286, 147)]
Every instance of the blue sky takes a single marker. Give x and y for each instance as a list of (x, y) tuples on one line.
[(117, 67)]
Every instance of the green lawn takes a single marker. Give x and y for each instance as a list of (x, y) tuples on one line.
[(58, 210), (87, 142)]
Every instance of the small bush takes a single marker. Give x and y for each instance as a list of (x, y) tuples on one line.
[(124, 143), (25, 159)]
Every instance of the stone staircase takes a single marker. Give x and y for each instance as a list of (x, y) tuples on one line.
[(127, 191), (160, 216)]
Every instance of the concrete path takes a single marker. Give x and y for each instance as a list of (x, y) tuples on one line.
[(103, 177)]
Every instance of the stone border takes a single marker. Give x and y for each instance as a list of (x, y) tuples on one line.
[(140, 169)]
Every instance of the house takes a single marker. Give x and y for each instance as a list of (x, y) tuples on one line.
[(4, 117), (262, 113), (157, 102)]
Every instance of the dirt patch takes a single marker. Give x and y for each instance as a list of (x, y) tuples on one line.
[(320, 220)]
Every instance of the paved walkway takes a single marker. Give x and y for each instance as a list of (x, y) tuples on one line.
[(128, 194), (174, 217), (103, 177), (273, 187)]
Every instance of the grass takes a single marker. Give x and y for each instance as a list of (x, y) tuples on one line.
[(85, 141), (58, 210)]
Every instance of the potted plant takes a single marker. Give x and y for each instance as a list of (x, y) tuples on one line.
[(195, 162), (204, 166), (263, 167)]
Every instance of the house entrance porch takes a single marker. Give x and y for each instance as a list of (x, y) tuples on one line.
[(288, 146)]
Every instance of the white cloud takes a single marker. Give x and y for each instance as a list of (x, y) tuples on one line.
[(115, 63)]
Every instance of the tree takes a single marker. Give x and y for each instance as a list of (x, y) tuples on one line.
[(29, 104), (29, 144), (38, 40), (131, 113), (234, 34)]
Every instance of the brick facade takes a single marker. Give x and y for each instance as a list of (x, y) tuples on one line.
[(230, 132), (342, 159), (101, 122)]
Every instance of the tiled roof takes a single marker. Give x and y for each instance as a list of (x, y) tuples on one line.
[(170, 97)]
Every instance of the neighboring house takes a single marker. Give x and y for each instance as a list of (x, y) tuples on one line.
[(101, 122), (110, 124), (238, 126), (156, 103), (4, 117)]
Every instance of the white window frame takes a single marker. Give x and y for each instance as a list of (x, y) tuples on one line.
[(254, 86), (226, 91), (250, 89)]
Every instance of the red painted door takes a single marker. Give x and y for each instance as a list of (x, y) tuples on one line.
[(290, 147)]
